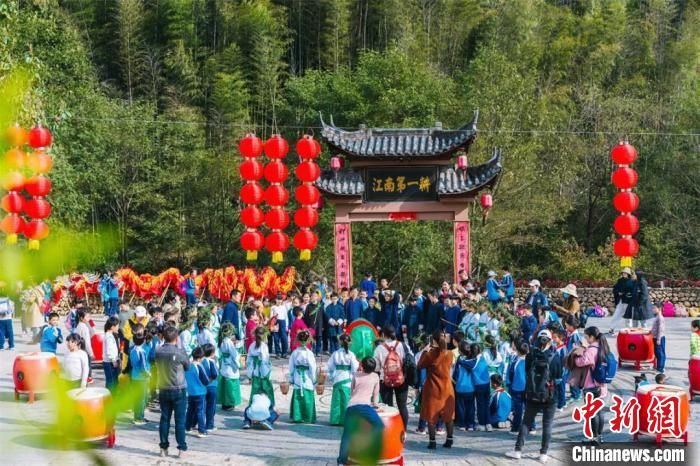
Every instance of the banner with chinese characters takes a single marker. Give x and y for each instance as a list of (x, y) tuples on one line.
[(461, 243), (343, 256), (400, 184)]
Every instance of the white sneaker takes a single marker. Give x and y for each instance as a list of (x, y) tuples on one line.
[(213, 429), (543, 458), (516, 455), (489, 428), (532, 431), (440, 432), (480, 428)]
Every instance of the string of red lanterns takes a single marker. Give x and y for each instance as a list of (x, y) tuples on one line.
[(307, 195), (37, 185), (625, 202), (276, 196), (251, 194)]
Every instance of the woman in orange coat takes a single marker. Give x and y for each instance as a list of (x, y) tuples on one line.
[(438, 398)]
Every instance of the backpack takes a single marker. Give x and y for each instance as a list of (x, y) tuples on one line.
[(393, 368), (410, 370), (668, 309), (604, 372), (539, 387)]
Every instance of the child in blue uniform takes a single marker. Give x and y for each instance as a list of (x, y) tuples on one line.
[(480, 378), (197, 382), (464, 388), (210, 367), (516, 383), (500, 404)]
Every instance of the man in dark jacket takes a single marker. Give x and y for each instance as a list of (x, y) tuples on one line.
[(434, 313), (314, 318), (412, 322), (622, 295), (390, 308), (353, 306), (230, 313), (536, 299), (542, 371), (172, 362)]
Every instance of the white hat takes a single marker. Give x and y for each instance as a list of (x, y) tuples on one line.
[(491, 273), (140, 311), (545, 333), (626, 270), (569, 289), (535, 283)]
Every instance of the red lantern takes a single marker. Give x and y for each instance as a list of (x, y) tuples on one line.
[(276, 195), (252, 242), (252, 193), (36, 230), (38, 186), (17, 136), (626, 201), (277, 219), (486, 201), (13, 181), (623, 154), (277, 242), (39, 137), (625, 178), (13, 202), (307, 194), (305, 239), (308, 171), (15, 158), (306, 217), (626, 247), (626, 224), (276, 172), (336, 163), (276, 147), (11, 226), (251, 170), (40, 162), (252, 216), (462, 162), (250, 146), (308, 147)]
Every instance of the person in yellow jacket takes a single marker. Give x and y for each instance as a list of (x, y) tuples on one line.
[(140, 317)]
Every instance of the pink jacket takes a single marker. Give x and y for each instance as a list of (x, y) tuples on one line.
[(297, 327), (586, 362)]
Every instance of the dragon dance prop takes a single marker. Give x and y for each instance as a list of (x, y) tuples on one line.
[(218, 282)]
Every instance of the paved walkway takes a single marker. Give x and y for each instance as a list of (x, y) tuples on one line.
[(21, 425)]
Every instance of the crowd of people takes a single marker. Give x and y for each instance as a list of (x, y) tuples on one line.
[(476, 359)]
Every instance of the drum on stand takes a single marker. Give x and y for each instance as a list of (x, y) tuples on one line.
[(635, 345), (34, 373), (694, 375), (393, 437), (93, 417), (645, 395)]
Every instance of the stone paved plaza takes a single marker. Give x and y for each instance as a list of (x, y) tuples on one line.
[(21, 424)]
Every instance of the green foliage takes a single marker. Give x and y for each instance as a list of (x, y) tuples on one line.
[(147, 99)]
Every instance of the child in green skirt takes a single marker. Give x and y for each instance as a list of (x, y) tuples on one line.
[(229, 394), (302, 374), (259, 367), (342, 365)]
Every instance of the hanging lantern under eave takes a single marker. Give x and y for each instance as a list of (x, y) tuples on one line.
[(308, 172), (336, 163), (462, 163), (307, 147), (486, 201), (307, 194)]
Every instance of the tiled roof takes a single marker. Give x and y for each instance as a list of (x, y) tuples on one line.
[(452, 181), (399, 143), (348, 182)]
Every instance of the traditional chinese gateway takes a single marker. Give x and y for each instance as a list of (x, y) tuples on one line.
[(403, 174)]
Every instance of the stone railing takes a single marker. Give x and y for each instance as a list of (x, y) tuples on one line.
[(689, 297)]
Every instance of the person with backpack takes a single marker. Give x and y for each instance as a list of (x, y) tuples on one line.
[(390, 356), (543, 370), (438, 397), (464, 387), (599, 366)]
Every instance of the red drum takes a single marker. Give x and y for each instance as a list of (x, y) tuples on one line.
[(97, 341), (34, 373), (93, 416), (393, 437), (694, 375), (635, 345), (645, 394)]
